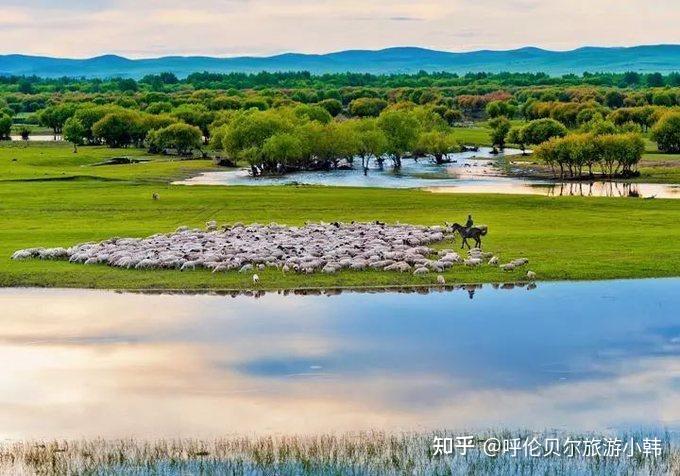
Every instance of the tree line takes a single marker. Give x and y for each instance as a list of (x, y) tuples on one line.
[(613, 154), (302, 79)]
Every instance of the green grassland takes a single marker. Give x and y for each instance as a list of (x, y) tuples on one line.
[(659, 168), (478, 135), (50, 196)]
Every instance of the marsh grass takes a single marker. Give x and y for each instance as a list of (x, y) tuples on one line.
[(374, 453)]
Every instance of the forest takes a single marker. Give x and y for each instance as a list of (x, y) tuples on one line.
[(282, 122)]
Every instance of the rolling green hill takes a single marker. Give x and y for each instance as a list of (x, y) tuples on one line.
[(661, 58)]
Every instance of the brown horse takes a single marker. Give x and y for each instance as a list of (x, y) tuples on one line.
[(474, 232)]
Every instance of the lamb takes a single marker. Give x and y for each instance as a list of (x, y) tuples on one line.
[(440, 280), (494, 261), (420, 271), (531, 275), (508, 267), (256, 279)]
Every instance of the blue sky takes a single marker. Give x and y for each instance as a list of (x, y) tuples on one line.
[(134, 28)]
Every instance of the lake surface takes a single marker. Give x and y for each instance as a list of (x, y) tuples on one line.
[(38, 138), (563, 189), (469, 172), (583, 356), (474, 166)]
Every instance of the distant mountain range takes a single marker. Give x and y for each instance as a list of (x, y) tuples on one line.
[(653, 58)]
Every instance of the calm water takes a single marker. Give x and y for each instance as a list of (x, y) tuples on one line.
[(588, 355), (470, 172), (38, 138), (465, 166), (562, 189)]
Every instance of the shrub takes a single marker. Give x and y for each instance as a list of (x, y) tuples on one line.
[(666, 133)]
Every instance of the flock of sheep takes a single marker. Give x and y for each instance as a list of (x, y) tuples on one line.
[(314, 247)]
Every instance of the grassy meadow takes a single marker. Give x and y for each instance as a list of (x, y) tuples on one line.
[(50, 196)]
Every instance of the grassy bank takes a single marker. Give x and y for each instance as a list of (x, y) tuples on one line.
[(365, 453), (654, 167), (51, 197)]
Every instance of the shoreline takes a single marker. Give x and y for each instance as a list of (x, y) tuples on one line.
[(396, 288)]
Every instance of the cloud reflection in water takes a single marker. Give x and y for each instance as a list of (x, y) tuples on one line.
[(572, 355)]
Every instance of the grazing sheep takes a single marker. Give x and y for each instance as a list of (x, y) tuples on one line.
[(399, 266), (329, 269), (315, 247), (473, 262), (155, 196), (531, 275), (508, 267), (440, 280), (494, 261), (22, 254), (520, 261), (420, 271), (256, 279)]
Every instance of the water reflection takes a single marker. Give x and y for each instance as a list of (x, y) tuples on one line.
[(470, 166), (561, 189), (468, 172), (258, 293), (38, 138), (569, 355)]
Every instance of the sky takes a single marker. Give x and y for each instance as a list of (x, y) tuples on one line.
[(150, 28)]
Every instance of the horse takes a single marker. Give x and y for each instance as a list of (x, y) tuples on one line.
[(474, 232)]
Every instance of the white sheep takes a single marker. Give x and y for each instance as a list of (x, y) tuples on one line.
[(256, 279), (22, 254), (473, 262), (310, 248), (440, 280), (531, 275), (520, 261), (494, 261)]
